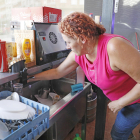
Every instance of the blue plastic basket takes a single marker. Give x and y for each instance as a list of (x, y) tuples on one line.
[(32, 128)]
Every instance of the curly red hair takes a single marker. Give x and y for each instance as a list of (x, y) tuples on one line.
[(79, 24)]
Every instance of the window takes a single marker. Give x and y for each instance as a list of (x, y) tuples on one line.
[(6, 6), (74, 2), (63, 1)]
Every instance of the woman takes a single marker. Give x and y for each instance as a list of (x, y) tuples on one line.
[(109, 61)]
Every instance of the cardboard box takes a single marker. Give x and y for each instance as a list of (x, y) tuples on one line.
[(37, 14)]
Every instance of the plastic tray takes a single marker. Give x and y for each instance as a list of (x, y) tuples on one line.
[(32, 128)]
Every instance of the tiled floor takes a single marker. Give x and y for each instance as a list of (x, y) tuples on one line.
[(110, 118)]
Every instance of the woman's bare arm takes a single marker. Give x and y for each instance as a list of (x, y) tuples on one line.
[(123, 56), (67, 66)]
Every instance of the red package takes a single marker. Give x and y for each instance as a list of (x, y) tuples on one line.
[(37, 14), (3, 57)]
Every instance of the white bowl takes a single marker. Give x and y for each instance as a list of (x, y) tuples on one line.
[(15, 96)]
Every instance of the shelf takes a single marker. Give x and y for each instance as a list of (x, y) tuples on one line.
[(6, 77)]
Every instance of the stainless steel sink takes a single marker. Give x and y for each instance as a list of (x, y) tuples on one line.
[(67, 112)]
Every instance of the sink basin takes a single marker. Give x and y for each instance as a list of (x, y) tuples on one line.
[(67, 112)]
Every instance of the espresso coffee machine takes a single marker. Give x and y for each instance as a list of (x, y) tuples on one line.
[(50, 45)]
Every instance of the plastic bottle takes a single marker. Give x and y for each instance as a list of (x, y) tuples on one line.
[(14, 44), (26, 48), (77, 137), (9, 49)]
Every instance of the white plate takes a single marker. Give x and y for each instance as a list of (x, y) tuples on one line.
[(4, 132), (11, 106), (18, 115)]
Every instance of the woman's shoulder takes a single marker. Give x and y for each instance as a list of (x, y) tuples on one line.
[(118, 43), (106, 37), (119, 48)]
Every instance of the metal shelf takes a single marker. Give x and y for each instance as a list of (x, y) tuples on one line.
[(6, 77)]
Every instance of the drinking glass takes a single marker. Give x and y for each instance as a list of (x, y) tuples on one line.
[(18, 87)]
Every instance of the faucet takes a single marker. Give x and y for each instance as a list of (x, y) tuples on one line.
[(23, 76)]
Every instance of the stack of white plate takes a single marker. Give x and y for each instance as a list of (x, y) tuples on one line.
[(13, 110)]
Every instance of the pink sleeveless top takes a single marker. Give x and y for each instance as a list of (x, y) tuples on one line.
[(114, 84)]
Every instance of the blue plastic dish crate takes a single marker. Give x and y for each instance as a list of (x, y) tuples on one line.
[(34, 127)]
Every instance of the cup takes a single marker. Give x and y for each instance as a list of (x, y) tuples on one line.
[(18, 87), (44, 94)]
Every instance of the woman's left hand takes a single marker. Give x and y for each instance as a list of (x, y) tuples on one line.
[(115, 106)]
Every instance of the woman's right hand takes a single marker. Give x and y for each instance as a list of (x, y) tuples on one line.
[(30, 78)]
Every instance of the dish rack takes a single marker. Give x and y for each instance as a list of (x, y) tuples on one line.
[(31, 128)]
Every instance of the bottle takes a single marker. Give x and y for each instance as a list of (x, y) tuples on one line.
[(91, 15), (14, 44), (26, 48), (77, 137), (3, 57), (9, 49)]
